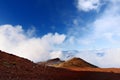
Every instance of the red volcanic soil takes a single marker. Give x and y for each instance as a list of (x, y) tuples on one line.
[(16, 68)]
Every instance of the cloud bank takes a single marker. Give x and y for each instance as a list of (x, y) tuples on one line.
[(15, 40)]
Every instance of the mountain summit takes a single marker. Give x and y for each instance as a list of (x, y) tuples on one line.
[(76, 62)]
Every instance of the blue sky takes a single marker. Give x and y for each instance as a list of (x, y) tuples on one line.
[(43, 26), (46, 16)]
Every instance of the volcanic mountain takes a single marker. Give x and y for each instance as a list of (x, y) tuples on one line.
[(16, 68), (76, 62)]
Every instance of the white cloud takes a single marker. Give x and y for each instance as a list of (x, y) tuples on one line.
[(107, 25), (13, 39), (103, 32), (87, 5)]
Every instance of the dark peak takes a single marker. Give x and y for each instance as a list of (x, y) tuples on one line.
[(51, 62), (55, 59)]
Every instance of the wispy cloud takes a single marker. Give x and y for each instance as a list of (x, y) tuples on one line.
[(102, 32), (106, 26)]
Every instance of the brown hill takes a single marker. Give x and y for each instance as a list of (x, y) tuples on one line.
[(9, 61), (76, 62), (15, 68)]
